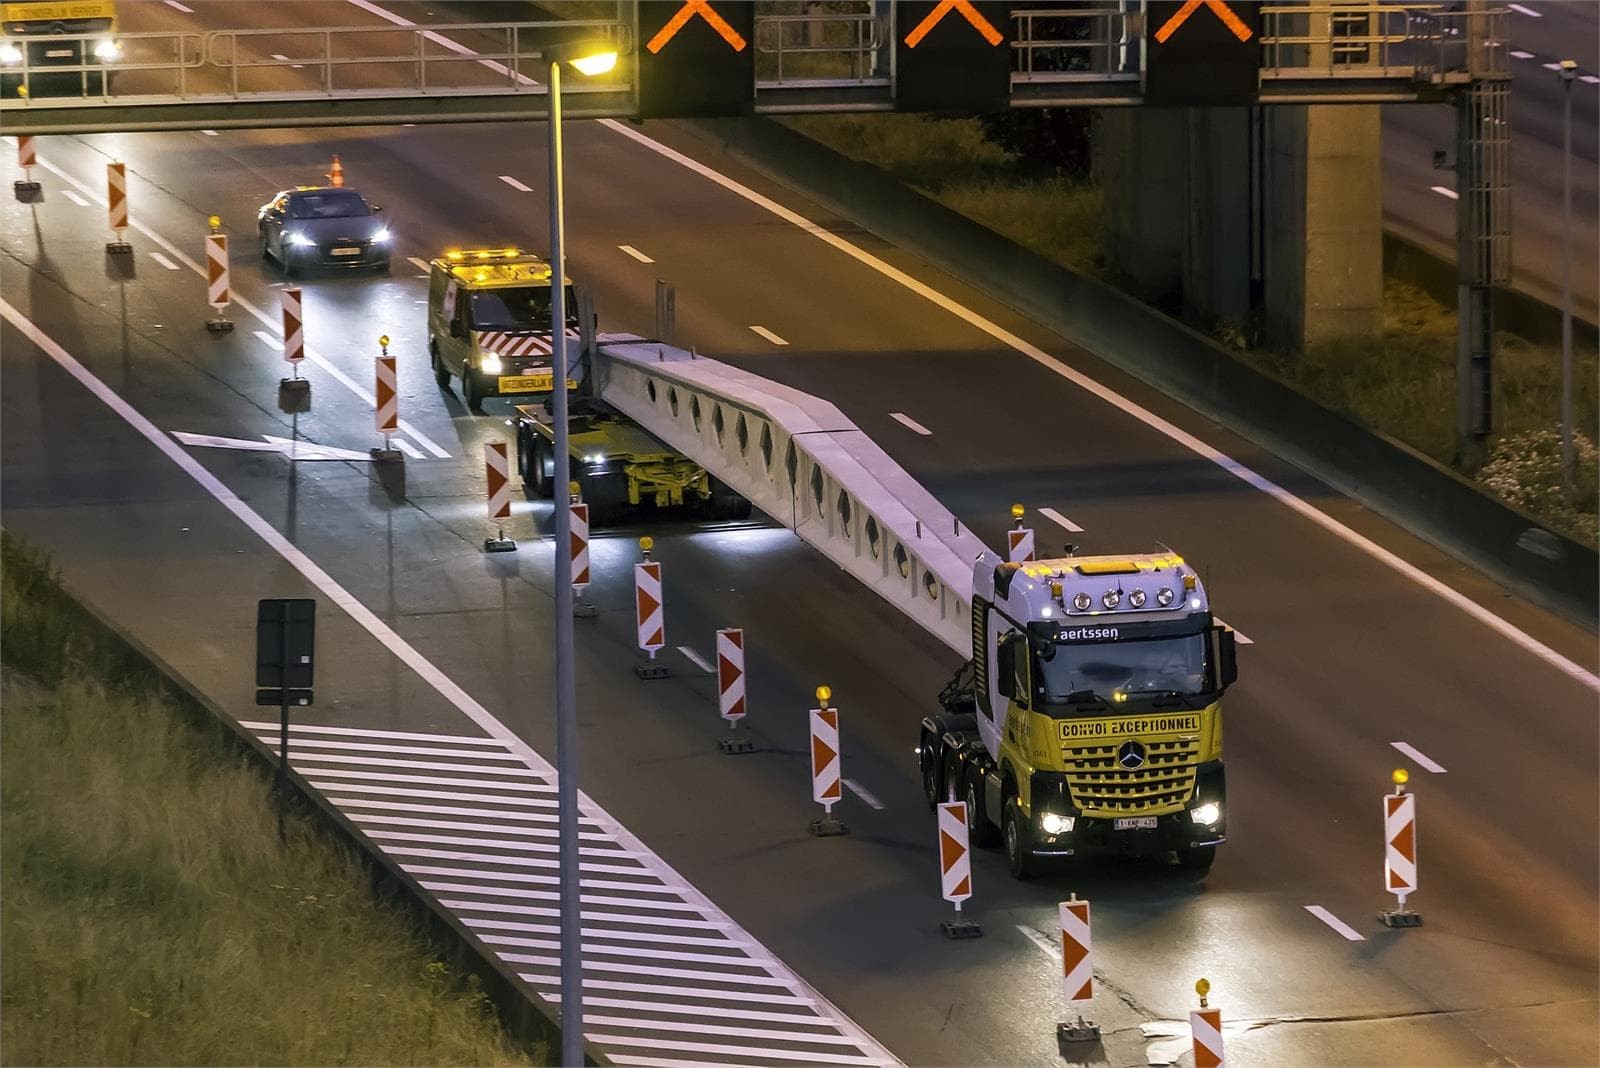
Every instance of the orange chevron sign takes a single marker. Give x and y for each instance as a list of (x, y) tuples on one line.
[(689, 10), (1219, 8), (967, 11)]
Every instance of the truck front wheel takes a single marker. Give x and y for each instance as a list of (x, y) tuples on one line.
[(928, 756), (980, 832), (1019, 841)]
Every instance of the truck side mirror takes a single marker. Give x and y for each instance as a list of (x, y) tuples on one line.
[(1226, 657)]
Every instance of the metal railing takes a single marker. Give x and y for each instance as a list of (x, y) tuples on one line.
[(1354, 39), (819, 49), (1081, 43), (173, 54)]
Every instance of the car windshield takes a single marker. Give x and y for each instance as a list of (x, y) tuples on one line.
[(336, 204), (515, 308), (1129, 668)]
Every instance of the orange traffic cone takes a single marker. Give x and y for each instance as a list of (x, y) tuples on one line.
[(336, 176)]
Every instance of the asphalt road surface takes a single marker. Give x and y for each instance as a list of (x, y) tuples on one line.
[(1350, 654), (1418, 201)]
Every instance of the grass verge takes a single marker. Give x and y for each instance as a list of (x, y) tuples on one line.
[(1402, 384), (150, 913)]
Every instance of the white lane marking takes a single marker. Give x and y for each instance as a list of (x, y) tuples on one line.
[(1422, 761), (910, 423), (186, 9), (419, 263), (364, 732), (637, 952), (769, 335), (285, 59), (696, 659), (1528, 11), (475, 828), (1238, 635), (409, 449), (324, 749), (502, 844), (1049, 946), (261, 316), (294, 450), (384, 805), (514, 184), (863, 793), (682, 1009), (550, 863), (1589, 79), (674, 922), (1056, 517), (1551, 66), (553, 979), (168, 264), (1336, 923), (647, 885), (723, 1049), (1245, 474), (1445, 191), (302, 759), (636, 254), (1517, 53), (607, 934), (322, 780), (75, 198), (209, 133)]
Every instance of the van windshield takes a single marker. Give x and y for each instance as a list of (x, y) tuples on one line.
[(516, 308), (1118, 670)]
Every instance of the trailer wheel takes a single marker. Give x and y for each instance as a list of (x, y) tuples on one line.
[(441, 373), (1019, 842), (980, 832), (928, 758), (471, 393), (538, 455)]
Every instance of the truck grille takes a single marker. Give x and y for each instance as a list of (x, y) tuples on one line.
[(1100, 787)]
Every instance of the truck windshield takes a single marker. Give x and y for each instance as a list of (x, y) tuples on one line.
[(517, 308), (1129, 668)]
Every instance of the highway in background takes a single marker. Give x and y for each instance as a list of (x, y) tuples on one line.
[(1349, 655), (1417, 199)]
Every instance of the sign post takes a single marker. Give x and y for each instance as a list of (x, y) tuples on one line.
[(286, 633)]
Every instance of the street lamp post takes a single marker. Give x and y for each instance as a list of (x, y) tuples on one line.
[(589, 60), (1568, 71)]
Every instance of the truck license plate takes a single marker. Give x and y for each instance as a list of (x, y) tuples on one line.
[(1135, 823), (347, 252), (525, 383)]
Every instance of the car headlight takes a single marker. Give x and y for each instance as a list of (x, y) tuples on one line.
[(490, 364), (107, 50), (1055, 823), (1207, 814), (10, 53), (299, 240), (382, 236)]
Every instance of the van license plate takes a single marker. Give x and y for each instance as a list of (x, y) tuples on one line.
[(346, 252), (1135, 823), (59, 53)]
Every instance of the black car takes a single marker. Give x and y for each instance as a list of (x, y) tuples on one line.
[(323, 226)]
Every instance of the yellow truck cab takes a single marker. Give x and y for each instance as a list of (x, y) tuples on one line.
[(57, 47), (489, 324)]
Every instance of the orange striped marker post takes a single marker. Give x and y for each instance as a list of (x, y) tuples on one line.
[(1400, 851), (386, 409), (117, 208), (1205, 1025), (26, 188), (217, 293), (294, 388), (1077, 971), (730, 689), (1019, 539), (649, 612), (582, 608), (955, 868), (497, 482), (827, 784)]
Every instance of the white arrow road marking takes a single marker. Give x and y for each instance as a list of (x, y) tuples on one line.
[(295, 450), (1421, 760)]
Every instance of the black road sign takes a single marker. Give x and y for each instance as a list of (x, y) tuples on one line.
[(696, 58), (1202, 53), (952, 56), (284, 653), (274, 698)]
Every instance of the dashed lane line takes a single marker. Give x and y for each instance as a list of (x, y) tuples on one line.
[(910, 424), (769, 335), (1056, 517), (168, 264), (863, 793), (514, 184), (75, 198), (1421, 760), (1345, 930), (636, 254), (1445, 191), (696, 659)]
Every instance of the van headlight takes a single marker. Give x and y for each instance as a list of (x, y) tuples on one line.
[(10, 53), (490, 364), (1055, 823), (1207, 814), (107, 50)]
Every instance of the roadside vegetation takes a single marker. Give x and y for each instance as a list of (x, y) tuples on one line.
[(1403, 385), (149, 912)]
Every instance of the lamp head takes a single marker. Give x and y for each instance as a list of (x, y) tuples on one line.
[(589, 58)]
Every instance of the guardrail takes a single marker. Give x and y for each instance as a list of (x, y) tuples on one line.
[(798, 459), (833, 49)]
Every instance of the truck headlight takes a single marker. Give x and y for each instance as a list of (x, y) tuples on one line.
[(1055, 823), (490, 364), (10, 53), (1207, 814), (298, 240), (107, 50)]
